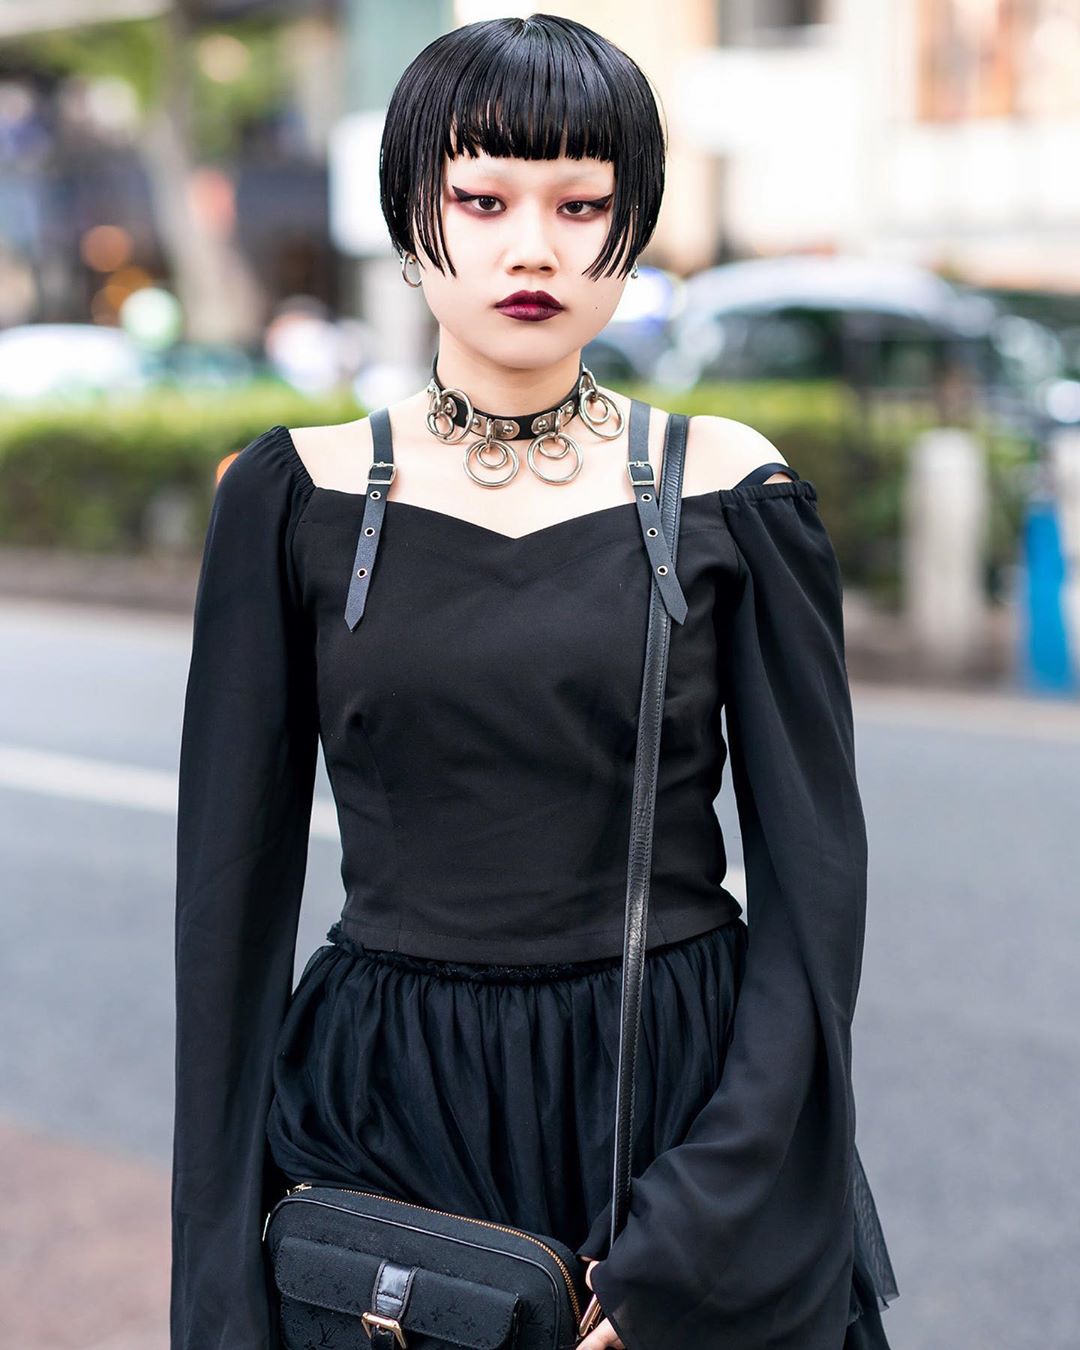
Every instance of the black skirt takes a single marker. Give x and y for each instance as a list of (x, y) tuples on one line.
[(489, 1090)]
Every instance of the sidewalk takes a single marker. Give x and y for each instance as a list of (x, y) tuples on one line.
[(85, 1247), (163, 584)]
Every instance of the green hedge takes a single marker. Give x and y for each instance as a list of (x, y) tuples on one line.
[(87, 478), (83, 478)]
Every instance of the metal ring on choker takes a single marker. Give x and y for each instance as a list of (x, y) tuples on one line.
[(451, 416)]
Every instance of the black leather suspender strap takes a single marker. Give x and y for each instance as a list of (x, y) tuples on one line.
[(643, 813), (383, 471), (380, 476)]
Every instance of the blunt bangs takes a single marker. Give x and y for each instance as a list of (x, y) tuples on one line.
[(534, 88)]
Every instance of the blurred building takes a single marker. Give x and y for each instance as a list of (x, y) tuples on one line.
[(118, 147), (945, 132), (940, 131)]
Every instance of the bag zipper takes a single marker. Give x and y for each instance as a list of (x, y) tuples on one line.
[(486, 1223)]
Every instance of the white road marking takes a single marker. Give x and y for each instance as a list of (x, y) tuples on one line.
[(82, 778)]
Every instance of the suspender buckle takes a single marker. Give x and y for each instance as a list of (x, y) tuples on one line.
[(647, 479), (382, 464)]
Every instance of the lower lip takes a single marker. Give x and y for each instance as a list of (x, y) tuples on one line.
[(530, 313)]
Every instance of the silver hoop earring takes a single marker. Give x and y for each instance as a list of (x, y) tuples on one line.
[(407, 258)]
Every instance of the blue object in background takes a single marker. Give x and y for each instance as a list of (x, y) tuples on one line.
[(1048, 665)]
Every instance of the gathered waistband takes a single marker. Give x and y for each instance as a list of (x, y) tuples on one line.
[(489, 973)]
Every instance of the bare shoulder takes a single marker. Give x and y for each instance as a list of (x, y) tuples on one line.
[(335, 456), (720, 452)]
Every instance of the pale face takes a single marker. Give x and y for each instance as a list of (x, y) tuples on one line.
[(523, 225)]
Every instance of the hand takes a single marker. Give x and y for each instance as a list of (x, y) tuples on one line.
[(603, 1335)]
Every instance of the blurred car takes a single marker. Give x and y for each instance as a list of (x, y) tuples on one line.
[(75, 362), (67, 361), (869, 321), (877, 324), (639, 332), (205, 365)]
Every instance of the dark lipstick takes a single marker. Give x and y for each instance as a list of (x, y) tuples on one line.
[(531, 306)]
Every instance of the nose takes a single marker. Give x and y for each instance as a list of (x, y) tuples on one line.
[(530, 248)]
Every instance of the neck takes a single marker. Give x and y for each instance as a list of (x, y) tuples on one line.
[(505, 390)]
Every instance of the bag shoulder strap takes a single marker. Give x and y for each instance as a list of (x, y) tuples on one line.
[(653, 530), (643, 809)]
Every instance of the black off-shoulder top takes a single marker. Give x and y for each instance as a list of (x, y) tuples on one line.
[(479, 729)]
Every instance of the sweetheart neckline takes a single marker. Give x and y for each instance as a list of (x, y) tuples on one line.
[(434, 512), (751, 491)]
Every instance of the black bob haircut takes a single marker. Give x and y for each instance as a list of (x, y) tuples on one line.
[(533, 88)]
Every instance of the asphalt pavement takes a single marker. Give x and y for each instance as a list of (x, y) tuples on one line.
[(967, 1034)]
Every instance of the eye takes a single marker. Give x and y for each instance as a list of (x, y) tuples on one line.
[(463, 196), (590, 208), (594, 207)]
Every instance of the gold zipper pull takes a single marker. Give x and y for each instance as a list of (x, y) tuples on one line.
[(591, 1317), (301, 1186)]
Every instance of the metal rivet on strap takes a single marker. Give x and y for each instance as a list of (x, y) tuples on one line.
[(370, 529), (646, 496), (652, 531), (374, 493), (662, 569), (362, 572)]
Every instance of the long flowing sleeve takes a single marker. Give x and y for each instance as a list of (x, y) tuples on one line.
[(246, 778), (741, 1236)]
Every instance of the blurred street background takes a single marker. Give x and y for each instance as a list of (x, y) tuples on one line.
[(869, 250)]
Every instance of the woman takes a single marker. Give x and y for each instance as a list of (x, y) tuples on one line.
[(475, 691)]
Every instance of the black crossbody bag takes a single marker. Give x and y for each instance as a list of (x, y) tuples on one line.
[(355, 1268)]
